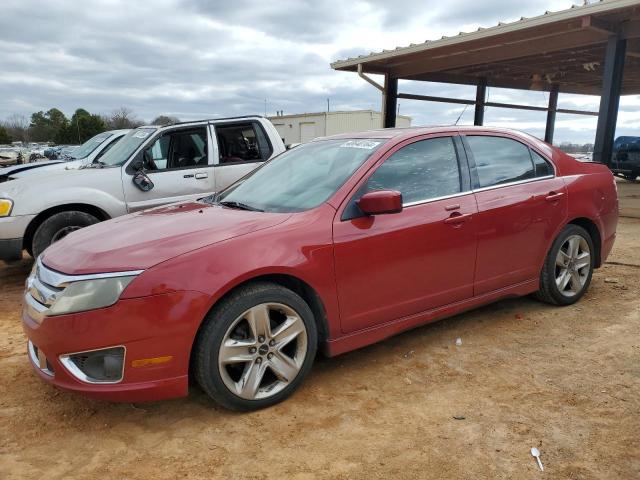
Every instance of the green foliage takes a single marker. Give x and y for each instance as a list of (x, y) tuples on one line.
[(45, 125), (82, 127), (4, 136), (54, 126)]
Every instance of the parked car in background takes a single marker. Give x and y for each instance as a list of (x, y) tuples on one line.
[(333, 245), (11, 156), (626, 157), (149, 166), (78, 156)]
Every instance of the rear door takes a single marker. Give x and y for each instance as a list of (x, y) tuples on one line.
[(521, 203), (241, 147), (391, 266), (179, 165)]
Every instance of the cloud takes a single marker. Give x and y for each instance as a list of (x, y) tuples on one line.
[(203, 58)]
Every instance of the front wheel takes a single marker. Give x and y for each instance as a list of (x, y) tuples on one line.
[(58, 226), (255, 347), (568, 268)]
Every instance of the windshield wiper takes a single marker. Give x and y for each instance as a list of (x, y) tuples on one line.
[(239, 206)]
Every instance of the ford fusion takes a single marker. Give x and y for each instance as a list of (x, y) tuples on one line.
[(331, 246)]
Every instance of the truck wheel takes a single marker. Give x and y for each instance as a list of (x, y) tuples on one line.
[(58, 226), (255, 347), (568, 268)]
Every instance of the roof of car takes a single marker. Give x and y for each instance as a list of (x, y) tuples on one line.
[(414, 131)]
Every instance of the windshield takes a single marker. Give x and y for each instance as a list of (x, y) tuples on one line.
[(301, 178), (84, 150), (125, 147)]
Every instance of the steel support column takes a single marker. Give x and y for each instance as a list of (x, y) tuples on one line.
[(609, 99), (390, 101), (481, 97), (551, 113)]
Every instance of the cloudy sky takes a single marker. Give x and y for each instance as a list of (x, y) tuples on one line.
[(205, 58)]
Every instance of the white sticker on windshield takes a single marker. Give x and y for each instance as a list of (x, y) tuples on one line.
[(141, 134), (365, 144)]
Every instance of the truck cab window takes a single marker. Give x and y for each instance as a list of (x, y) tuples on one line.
[(242, 143), (178, 150)]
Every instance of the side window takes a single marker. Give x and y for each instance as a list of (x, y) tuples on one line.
[(108, 147), (420, 171), (178, 150), (160, 152), (242, 143), (543, 169), (500, 160)]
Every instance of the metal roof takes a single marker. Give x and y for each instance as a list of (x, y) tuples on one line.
[(565, 47)]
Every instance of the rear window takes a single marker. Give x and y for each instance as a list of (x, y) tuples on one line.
[(543, 168), (500, 160)]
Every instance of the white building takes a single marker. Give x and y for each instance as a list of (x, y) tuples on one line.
[(304, 127)]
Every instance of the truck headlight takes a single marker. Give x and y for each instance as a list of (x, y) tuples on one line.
[(6, 206), (89, 295)]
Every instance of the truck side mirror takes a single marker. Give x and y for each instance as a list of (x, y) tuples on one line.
[(142, 181)]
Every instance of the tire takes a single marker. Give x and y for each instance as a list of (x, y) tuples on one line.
[(58, 226), (631, 176), (226, 374), (576, 278)]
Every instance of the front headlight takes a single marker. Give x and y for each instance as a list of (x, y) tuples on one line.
[(89, 295), (6, 206)]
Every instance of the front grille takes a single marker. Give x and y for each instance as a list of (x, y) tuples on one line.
[(43, 286)]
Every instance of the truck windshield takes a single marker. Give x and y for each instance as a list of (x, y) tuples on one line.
[(125, 147), (84, 150), (301, 178)]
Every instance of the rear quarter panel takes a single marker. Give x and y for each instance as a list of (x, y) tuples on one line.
[(592, 194)]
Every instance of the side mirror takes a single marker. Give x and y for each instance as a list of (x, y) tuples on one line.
[(143, 182), (380, 202)]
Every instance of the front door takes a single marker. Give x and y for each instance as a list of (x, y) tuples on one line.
[(391, 266), (520, 206), (179, 166)]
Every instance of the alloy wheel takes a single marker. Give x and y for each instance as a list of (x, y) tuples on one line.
[(573, 265), (263, 351)]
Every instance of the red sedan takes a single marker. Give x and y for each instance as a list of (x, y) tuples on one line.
[(333, 245)]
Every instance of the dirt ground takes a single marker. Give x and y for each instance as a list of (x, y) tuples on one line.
[(566, 380)]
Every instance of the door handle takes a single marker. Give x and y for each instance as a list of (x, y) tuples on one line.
[(449, 208), (554, 196), (201, 175), (457, 217)]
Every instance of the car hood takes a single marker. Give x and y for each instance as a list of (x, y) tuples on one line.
[(45, 168), (27, 166), (142, 240)]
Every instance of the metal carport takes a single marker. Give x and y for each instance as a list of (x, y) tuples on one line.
[(592, 49)]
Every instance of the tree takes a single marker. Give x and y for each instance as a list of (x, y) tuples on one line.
[(18, 127), (164, 120), (48, 126), (4, 136), (82, 127), (122, 118)]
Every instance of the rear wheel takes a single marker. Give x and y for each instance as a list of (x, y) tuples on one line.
[(58, 226), (255, 347), (568, 268), (631, 176)]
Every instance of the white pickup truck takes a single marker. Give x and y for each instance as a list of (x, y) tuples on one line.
[(149, 166)]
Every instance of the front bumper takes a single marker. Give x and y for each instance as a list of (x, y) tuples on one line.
[(159, 326), (12, 231), (11, 249)]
